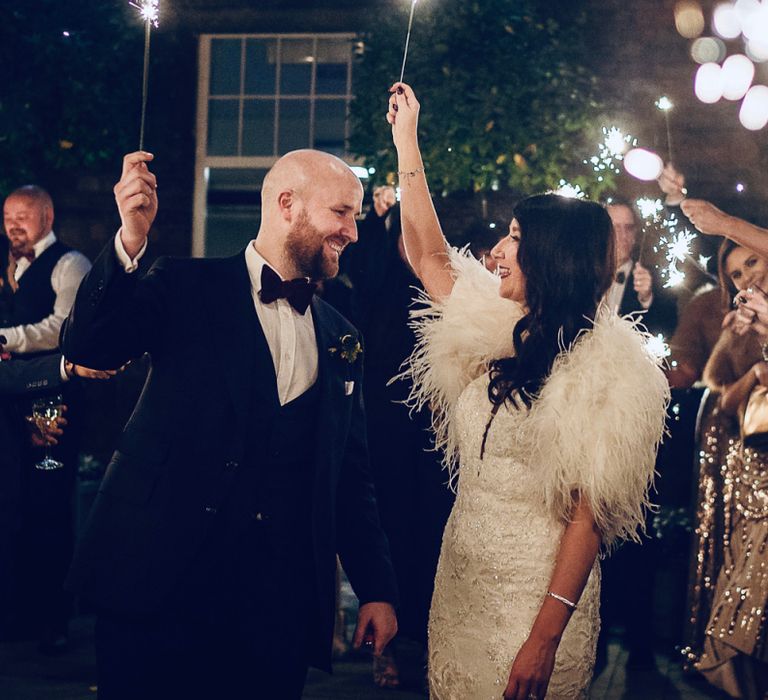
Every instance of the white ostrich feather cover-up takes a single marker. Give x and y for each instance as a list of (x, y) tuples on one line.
[(592, 433)]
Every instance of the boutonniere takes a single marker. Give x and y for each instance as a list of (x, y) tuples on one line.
[(349, 348)]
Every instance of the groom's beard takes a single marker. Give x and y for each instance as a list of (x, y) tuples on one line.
[(305, 244)]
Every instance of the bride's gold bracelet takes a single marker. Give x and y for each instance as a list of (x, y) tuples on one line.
[(564, 601)]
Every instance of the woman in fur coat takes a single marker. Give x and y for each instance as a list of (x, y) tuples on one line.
[(549, 412)]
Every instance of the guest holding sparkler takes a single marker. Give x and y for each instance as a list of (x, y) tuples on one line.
[(711, 221), (735, 656), (634, 289)]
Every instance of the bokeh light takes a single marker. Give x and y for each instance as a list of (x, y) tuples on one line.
[(726, 21), (757, 50), (755, 24), (737, 74), (708, 50), (709, 83), (643, 164), (754, 110), (689, 19)]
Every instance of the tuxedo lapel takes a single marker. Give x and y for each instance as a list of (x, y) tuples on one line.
[(248, 365), (331, 377)]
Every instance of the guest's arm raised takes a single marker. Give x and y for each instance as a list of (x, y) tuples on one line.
[(710, 220), (423, 238)]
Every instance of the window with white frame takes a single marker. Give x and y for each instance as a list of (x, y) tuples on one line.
[(261, 96)]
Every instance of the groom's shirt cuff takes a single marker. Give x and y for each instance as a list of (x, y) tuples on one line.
[(128, 264)]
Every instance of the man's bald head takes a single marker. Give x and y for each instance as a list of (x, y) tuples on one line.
[(298, 171), (309, 203)]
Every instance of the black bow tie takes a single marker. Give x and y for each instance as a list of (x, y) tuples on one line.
[(297, 292), (621, 277)]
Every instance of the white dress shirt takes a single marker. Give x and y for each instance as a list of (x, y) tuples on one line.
[(290, 335), (615, 292), (65, 280)]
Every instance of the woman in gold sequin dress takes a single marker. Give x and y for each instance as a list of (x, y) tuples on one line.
[(735, 654), (549, 412)]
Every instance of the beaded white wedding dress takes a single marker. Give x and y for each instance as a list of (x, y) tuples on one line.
[(582, 435)]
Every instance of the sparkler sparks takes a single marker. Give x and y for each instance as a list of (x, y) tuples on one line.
[(677, 249), (149, 10), (610, 151), (658, 347), (566, 189), (650, 208), (664, 104)]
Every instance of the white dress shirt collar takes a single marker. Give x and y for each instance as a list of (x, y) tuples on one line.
[(255, 261), (44, 243)]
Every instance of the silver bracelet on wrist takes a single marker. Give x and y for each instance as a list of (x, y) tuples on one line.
[(568, 604), (410, 173)]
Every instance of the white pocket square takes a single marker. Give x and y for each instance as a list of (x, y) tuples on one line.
[(349, 387)]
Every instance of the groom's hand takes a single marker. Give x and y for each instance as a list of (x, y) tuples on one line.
[(376, 624), (136, 197)]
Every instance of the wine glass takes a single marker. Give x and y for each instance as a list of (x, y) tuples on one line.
[(45, 412)]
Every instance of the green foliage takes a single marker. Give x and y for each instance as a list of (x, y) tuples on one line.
[(67, 102), (508, 98)]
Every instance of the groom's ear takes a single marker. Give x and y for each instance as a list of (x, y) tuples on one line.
[(286, 201)]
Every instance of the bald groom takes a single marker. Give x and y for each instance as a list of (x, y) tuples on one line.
[(210, 550)]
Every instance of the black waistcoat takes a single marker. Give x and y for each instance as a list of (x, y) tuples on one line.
[(35, 298), (259, 546)]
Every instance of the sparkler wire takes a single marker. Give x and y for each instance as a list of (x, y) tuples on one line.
[(408, 39), (145, 82)]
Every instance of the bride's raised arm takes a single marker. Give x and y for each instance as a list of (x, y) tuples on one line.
[(425, 244)]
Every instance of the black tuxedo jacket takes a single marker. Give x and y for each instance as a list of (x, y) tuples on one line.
[(661, 316), (190, 430)]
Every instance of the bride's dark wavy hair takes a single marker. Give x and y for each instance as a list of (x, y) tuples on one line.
[(566, 253)]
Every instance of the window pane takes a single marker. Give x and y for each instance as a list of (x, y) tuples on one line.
[(294, 125), (225, 66), (296, 66), (258, 127), (234, 209), (260, 62), (330, 120), (332, 59), (222, 127)]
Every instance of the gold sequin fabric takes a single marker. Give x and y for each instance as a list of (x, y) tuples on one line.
[(498, 553), (737, 621), (717, 434)]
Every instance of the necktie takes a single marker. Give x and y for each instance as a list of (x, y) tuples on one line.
[(298, 293), (621, 277)]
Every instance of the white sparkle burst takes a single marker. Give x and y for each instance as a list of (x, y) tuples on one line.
[(649, 208), (658, 347), (612, 148), (566, 189), (149, 10)]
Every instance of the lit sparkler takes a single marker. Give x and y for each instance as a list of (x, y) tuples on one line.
[(650, 208), (150, 12), (566, 189), (408, 38), (677, 249), (657, 346), (665, 106), (610, 151)]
